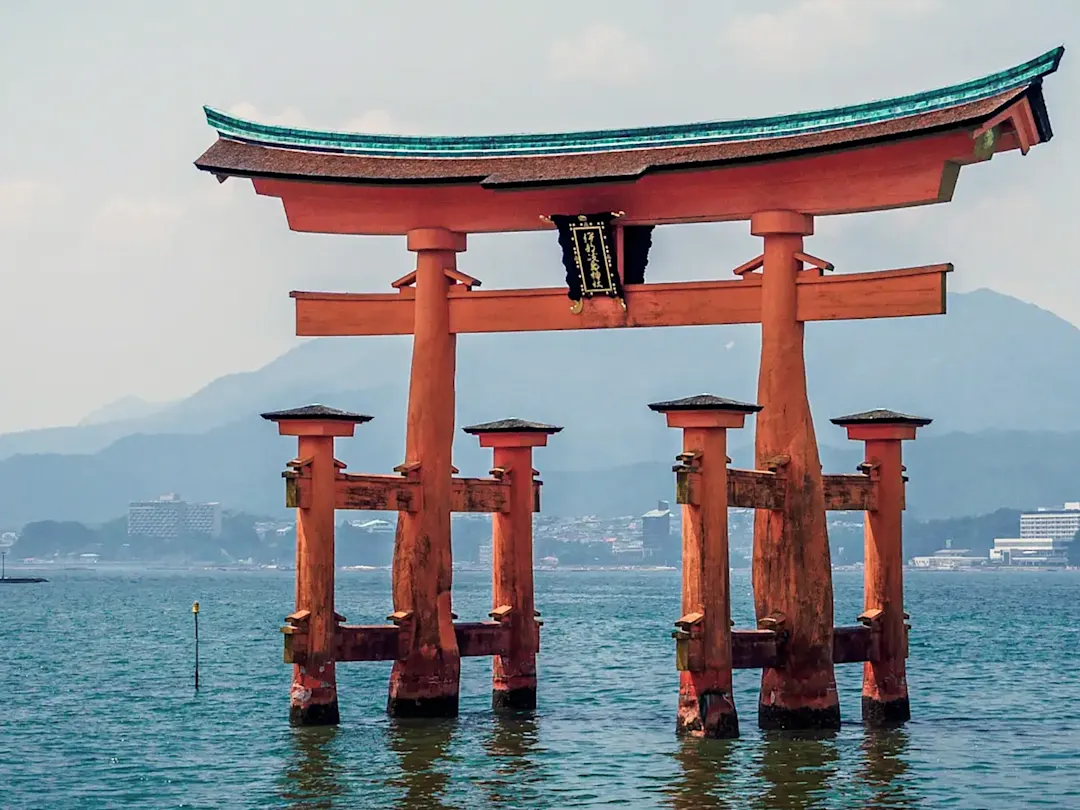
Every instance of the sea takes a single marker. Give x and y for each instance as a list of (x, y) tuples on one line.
[(98, 707)]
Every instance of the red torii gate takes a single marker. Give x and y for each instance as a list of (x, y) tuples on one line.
[(779, 173)]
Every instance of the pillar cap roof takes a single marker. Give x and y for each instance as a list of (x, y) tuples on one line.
[(881, 416), (705, 402), (315, 412), (512, 425)]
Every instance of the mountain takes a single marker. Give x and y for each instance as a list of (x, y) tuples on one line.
[(122, 410), (986, 372)]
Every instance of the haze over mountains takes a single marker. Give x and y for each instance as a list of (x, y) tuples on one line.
[(995, 374)]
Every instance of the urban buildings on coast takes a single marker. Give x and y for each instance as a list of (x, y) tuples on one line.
[(171, 516), (1045, 540)]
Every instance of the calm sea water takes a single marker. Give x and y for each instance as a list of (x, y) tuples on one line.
[(98, 709)]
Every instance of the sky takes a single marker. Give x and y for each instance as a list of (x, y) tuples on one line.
[(124, 271)]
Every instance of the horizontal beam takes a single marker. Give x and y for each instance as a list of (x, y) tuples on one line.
[(878, 294), (396, 493), (382, 642), (756, 489), (757, 649), (850, 493), (912, 171)]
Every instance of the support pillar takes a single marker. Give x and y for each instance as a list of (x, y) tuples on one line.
[(425, 682), (513, 683), (313, 697), (706, 703), (885, 691), (792, 571)]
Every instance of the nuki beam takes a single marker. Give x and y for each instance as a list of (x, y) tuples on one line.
[(885, 690), (513, 685), (313, 697), (877, 294), (703, 638)]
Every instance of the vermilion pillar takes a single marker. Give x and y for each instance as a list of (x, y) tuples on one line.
[(514, 675), (885, 691), (706, 703), (425, 682), (313, 698), (792, 572)]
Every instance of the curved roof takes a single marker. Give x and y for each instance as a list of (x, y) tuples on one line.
[(618, 140), (248, 149)]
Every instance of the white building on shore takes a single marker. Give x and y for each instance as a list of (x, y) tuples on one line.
[(1059, 524), (1035, 551)]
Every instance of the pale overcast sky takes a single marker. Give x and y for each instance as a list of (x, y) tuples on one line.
[(124, 270)]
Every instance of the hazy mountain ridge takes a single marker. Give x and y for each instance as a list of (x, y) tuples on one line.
[(992, 367)]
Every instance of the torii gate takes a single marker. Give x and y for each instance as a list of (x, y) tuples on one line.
[(604, 192)]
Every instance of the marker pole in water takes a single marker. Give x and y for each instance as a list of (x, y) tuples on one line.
[(195, 612)]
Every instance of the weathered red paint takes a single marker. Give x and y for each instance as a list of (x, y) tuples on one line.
[(425, 682), (513, 682), (792, 574), (885, 689), (706, 703)]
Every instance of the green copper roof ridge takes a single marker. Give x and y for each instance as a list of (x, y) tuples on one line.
[(529, 145)]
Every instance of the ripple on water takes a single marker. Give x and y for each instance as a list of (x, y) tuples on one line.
[(99, 709)]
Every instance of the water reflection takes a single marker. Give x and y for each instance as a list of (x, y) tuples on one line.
[(797, 769), (421, 746), (883, 767), (512, 746), (708, 776), (312, 778)]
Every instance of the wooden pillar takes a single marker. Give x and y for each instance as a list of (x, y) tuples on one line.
[(513, 685), (425, 682), (706, 703), (885, 692), (313, 697), (792, 572)]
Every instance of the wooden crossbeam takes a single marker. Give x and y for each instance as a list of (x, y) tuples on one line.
[(758, 489), (879, 294), (757, 649), (382, 642), (850, 493), (397, 493)]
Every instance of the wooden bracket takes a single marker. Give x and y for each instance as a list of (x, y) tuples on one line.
[(775, 621), (298, 617), (408, 468), (871, 618), (819, 264), (455, 276), (501, 613), (399, 617), (689, 620), (754, 264)]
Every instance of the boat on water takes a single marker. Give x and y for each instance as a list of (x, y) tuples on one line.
[(6, 580)]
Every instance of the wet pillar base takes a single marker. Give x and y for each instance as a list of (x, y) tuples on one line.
[(710, 715), (441, 706), (518, 699), (885, 712), (429, 689), (313, 696), (782, 718), (314, 714)]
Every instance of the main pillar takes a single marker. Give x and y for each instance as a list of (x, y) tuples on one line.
[(885, 691), (792, 572), (313, 697), (513, 683), (706, 702), (425, 682)]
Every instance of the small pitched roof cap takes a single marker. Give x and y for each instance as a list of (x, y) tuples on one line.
[(317, 412), (705, 402), (512, 426), (881, 416)]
